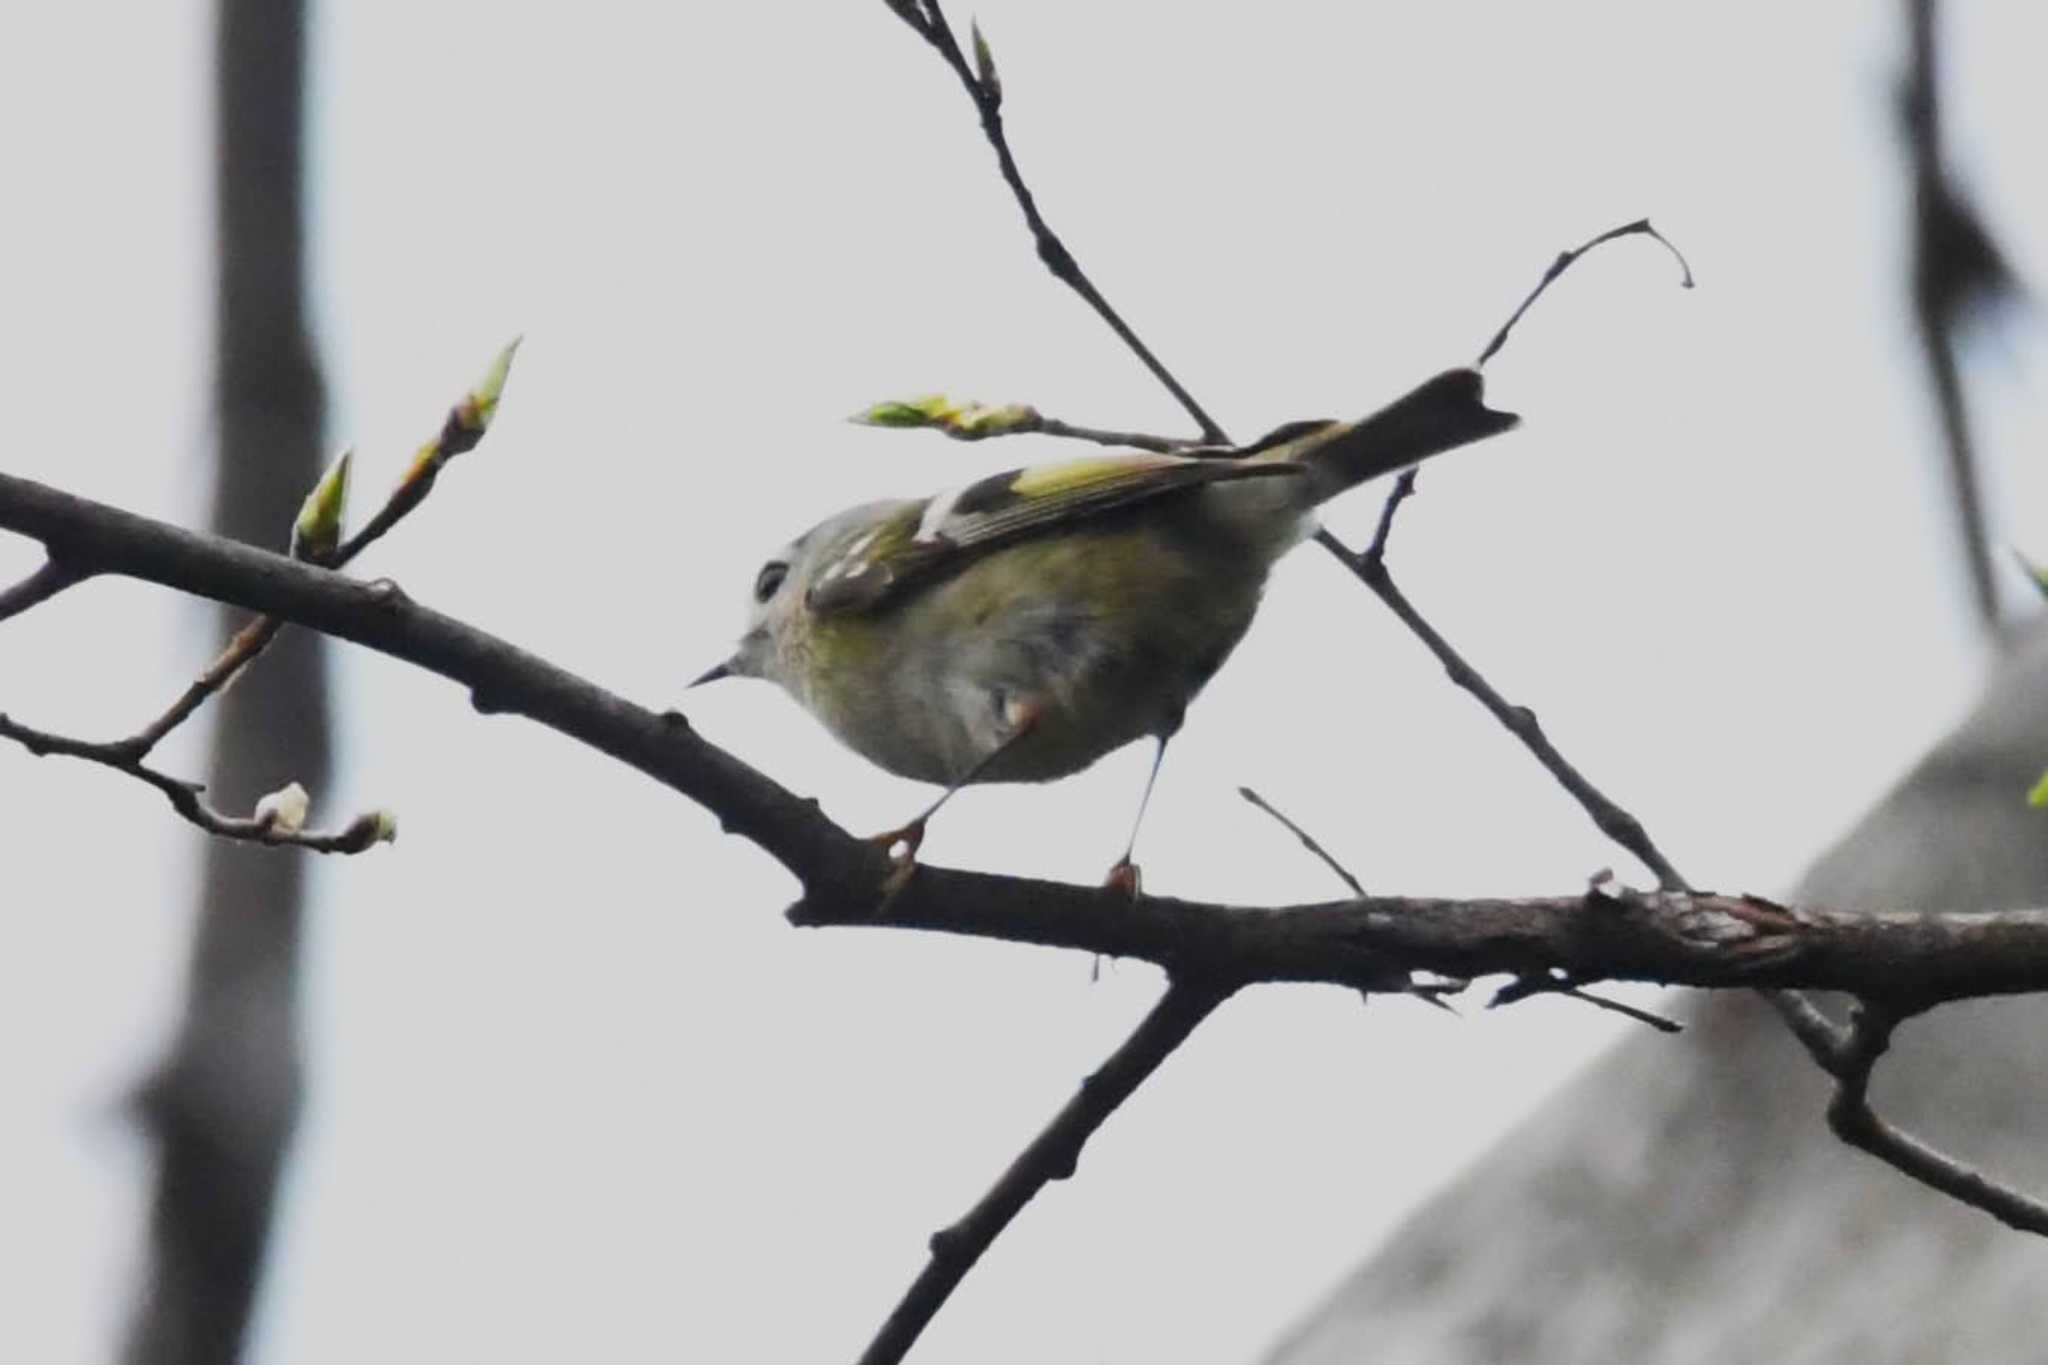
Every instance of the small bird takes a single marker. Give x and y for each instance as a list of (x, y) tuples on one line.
[(1020, 627)]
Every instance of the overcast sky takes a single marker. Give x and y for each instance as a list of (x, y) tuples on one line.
[(577, 1091)]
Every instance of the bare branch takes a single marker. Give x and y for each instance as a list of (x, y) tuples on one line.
[(1640, 228), (1404, 487), (461, 431), (1376, 550), (1856, 1123), (1307, 841), (1051, 1156), (929, 23), (51, 578), (363, 833), (1824, 1039), (1616, 823), (248, 642)]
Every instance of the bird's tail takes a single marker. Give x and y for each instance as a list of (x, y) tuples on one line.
[(1438, 415)]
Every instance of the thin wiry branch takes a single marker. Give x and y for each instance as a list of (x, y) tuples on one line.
[(1521, 988), (1640, 228), (1307, 841), (1616, 823), (1135, 440), (1404, 487), (1545, 983)]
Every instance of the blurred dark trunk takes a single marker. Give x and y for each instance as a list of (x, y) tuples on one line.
[(223, 1105)]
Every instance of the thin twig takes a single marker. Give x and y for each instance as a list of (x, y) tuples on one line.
[(1640, 228), (1521, 988), (50, 578), (461, 431), (248, 642), (1135, 440), (931, 25), (1051, 1156), (1405, 486), (359, 835), (1616, 823), (1856, 1123), (1534, 984), (1307, 841)]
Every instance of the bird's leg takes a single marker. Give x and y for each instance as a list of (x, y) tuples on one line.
[(1022, 716), (1124, 876)]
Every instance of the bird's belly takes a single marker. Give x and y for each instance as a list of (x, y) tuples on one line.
[(1096, 653)]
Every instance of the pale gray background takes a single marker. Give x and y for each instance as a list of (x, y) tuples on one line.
[(578, 1092)]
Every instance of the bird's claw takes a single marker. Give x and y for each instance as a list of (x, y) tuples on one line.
[(901, 845), (1125, 878)]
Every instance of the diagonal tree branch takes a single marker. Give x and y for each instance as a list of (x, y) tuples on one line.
[(1052, 1155), (1617, 824)]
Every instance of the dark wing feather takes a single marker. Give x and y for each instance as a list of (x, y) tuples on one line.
[(953, 529)]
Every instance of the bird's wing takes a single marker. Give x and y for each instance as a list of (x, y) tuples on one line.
[(944, 533)]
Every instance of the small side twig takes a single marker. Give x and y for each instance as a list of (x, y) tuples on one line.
[(1307, 841), (1523, 987), (928, 20), (1856, 1123), (363, 833), (1405, 486), (1052, 1155), (1639, 228), (51, 578), (1135, 440)]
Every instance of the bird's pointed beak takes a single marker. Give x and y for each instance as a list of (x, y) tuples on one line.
[(714, 673)]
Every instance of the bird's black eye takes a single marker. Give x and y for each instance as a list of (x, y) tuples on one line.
[(772, 574)]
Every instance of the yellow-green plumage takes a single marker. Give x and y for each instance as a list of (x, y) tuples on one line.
[(1021, 627)]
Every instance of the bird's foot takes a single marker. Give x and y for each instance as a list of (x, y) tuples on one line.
[(1126, 879), (901, 845)]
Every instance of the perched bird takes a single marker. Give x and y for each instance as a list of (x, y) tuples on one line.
[(1021, 627)]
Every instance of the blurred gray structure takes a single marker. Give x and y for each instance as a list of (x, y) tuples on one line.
[(1684, 1200), (222, 1106)]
